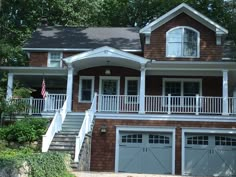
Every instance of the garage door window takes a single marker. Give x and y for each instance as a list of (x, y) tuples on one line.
[(132, 138), (158, 139), (197, 140), (225, 141)]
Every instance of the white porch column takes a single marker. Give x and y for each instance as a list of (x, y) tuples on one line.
[(142, 90), (69, 89), (9, 86), (225, 93)]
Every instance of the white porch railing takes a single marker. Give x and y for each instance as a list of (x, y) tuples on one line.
[(86, 127), (232, 105), (32, 105), (54, 102), (166, 104), (54, 127), (118, 103)]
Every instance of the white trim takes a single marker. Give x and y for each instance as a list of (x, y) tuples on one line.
[(181, 80), (131, 79), (49, 58), (166, 117), (189, 11), (144, 129), (200, 130), (92, 78), (117, 78), (104, 52), (182, 28), (73, 49)]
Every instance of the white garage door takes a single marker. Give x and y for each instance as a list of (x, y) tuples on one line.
[(145, 153), (210, 155)]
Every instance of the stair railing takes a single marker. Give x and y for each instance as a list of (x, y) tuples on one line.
[(55, 126), (86, 127)]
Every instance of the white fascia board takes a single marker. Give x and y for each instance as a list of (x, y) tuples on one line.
[(35, 70), (72, 49), (106, 52), (188, 10)]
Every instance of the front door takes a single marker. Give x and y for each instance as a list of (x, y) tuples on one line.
[(109, 94)]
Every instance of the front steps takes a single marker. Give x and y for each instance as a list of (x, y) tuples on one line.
[(64, 141)]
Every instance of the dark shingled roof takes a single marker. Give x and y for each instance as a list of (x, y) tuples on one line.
[(85, 38)]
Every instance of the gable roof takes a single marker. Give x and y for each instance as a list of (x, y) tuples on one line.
[(84, 39), (184, 8)]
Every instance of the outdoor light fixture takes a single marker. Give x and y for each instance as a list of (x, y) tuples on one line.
[(103, 129), (108, 71)]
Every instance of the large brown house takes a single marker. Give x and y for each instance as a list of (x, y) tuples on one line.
[(161, 99)]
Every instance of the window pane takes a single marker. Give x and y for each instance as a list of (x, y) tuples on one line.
[(174, 44), (54, 64), (173, 88), (132, 87), (190, 43), (191, 88), (55, 55), (86, 90)]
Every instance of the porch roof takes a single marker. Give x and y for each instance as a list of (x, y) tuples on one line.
[(104, 56), (26, 70)]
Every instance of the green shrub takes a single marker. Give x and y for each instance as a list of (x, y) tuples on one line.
[(26, 130), (50, 164)]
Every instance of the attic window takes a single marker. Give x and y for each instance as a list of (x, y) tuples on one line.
[(54, 59), (182, 42)]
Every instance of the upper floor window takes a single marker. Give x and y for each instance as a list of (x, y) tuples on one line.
[(54, 59), (182, 42)]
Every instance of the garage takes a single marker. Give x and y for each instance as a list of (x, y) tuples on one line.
[(209, 154), (146, 152)]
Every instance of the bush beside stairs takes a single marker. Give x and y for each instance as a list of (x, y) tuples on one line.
[(64, 141)]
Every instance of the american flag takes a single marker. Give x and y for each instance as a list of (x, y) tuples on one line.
[(43, 91)]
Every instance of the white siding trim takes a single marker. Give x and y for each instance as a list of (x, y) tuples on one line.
[(80, 88), (144, 129), (201, 130)]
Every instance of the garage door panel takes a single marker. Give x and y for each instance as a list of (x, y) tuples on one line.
[(196, 161), (160, 159), (225, 162), (210, 155), (145, 153), (129, 159)]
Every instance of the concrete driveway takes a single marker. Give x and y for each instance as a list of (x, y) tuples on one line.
[(109, 174)]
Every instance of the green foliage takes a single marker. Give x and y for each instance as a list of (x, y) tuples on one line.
[(51, 164), (24, 131)]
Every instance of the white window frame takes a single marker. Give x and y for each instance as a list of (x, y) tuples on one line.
[(198, 42), (80, 88), (101, 78), (49, 58), (126, 88), (181, 80)]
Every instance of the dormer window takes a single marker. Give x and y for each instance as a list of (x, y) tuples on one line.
[(54, 59), (182, 42)]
